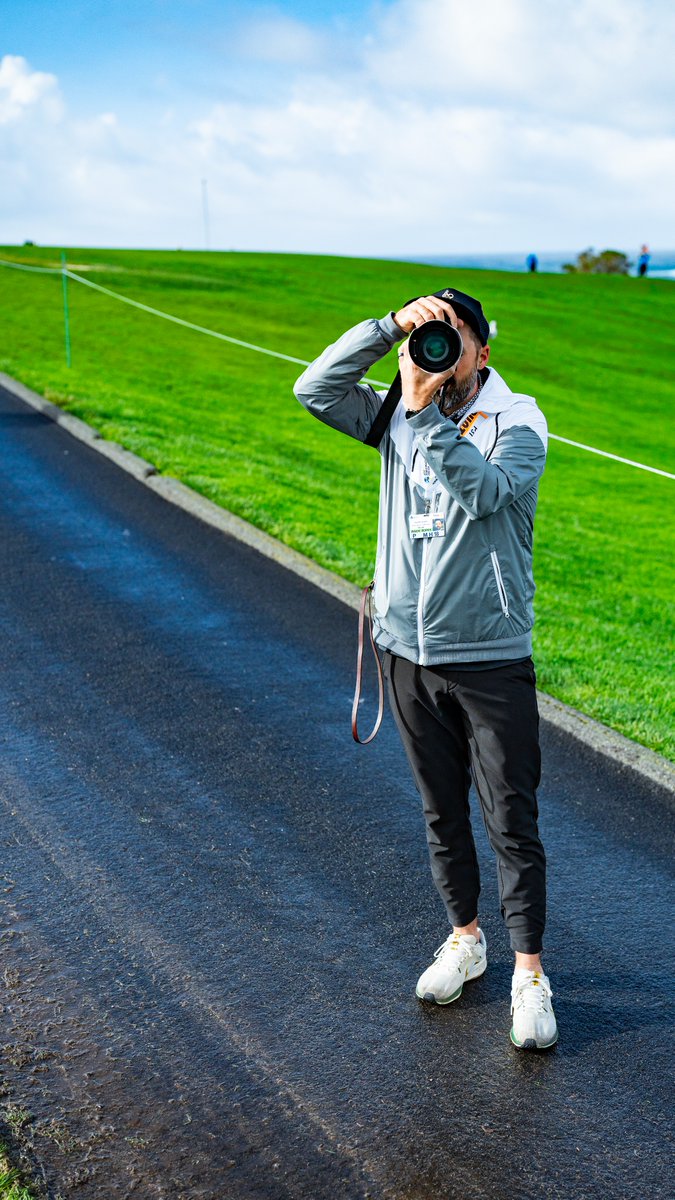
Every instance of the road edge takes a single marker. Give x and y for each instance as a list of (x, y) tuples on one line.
[(591, 733)]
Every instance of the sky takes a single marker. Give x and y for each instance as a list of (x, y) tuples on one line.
[(397, 129)]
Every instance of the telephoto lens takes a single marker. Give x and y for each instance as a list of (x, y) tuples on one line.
[(435, 346)]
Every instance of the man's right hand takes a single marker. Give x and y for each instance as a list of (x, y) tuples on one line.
[(427, 308)]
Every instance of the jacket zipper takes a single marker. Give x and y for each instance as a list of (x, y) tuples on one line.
[(500, 583), (423, 585), (420, 601)]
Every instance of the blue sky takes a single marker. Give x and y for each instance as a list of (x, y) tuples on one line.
[(125, 54), (398, 128)]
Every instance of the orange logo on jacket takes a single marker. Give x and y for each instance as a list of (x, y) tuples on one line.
[(469, 424)]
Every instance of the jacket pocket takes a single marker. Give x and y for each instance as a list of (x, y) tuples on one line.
[(503, 598)]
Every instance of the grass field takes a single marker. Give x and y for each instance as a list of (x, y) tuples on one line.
[(11, 1187), (598, 353)]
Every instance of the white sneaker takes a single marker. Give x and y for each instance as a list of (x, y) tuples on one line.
[(534, 1023), (459, 959)]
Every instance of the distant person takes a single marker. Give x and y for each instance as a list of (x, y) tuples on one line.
[(643, 261), (532, 262), (461, 462)]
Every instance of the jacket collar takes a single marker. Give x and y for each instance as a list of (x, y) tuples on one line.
[(496, 395)]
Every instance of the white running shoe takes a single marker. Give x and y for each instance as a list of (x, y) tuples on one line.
[(459, 959), (534, 1024)]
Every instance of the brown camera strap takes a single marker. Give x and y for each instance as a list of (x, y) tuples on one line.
[(366, 601)]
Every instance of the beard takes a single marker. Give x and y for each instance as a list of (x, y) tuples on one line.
[(455, 392)]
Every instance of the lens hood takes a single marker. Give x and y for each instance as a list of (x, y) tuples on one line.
[(436, 346)]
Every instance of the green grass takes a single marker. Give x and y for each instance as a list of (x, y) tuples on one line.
[(598, 352), (11, 1187)]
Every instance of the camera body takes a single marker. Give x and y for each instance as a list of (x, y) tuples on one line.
[(436, 346)]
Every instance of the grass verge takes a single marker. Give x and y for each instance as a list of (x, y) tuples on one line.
[(11, 1187)]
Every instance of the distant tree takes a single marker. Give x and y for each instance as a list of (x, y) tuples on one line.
[(607, 262), (28, 242)]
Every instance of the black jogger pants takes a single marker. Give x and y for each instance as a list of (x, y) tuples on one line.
[(456, 724)]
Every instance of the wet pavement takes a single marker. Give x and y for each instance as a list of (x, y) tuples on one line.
[(215, 906)]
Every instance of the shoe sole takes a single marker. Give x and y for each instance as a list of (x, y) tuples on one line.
[(431, 999), (531, 1043)]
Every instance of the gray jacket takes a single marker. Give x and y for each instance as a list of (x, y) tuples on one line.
[(466, 596)]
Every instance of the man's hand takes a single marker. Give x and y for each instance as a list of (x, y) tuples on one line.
[(427, 308), (419, 387)]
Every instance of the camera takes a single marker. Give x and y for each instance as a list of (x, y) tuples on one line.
[(436, 346)]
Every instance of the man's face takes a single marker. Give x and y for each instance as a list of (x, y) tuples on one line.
[(457, 389)]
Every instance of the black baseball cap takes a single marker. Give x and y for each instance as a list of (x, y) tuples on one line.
[(469, 309)]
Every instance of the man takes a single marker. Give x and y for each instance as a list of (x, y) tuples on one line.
[(643, 261), (453, 615)]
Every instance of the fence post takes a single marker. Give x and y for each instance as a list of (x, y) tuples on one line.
[(66, 318)]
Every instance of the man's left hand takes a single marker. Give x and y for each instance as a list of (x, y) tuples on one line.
[(419, 387)]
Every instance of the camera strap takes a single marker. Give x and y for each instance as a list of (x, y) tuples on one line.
[(366, 599), (381, 422)]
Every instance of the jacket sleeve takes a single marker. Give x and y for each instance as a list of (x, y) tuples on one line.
[(481, 486), (330, 388)]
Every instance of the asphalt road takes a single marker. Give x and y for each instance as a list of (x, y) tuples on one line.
[(215, 906)]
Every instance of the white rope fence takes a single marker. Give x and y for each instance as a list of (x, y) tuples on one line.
[(25, 267), (156, 312), (223, 337)]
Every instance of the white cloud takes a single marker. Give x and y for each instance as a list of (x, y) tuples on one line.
[(22, 89), (275, 37), (537, 55), (497, 126)]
